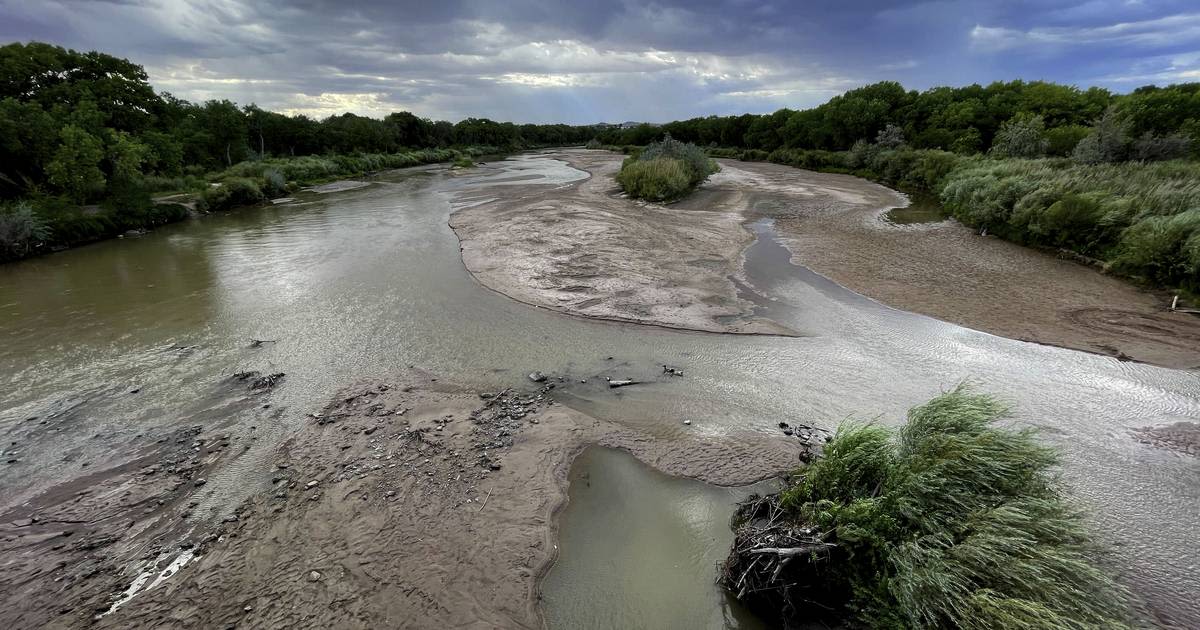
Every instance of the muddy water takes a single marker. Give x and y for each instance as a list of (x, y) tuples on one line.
[(922, 210), (359, 283), (648, 541)]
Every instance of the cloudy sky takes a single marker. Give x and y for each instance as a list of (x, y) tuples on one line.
[(611, 60)]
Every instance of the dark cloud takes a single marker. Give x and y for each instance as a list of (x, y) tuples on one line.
[(534, 60)]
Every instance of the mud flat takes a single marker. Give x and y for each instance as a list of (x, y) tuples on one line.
[(409, 504), (584, 249), (945, 270)]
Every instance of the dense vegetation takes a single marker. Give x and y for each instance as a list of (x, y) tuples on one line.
[(1109, 177), (949, 521), (665, 170), (85, 140)]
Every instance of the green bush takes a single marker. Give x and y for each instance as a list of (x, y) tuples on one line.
[(665, 170), (231, 193), (22, 230), (274, 184), (660, 179), (1138, 217), (953, 521), (1061, 141), (697, 165)]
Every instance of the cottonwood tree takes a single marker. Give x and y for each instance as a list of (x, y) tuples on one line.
[(75, 168), (1022, 136)]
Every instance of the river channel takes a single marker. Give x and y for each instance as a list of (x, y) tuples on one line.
[(361, 283)]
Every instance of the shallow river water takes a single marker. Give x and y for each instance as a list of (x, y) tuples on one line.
[(359, 284)]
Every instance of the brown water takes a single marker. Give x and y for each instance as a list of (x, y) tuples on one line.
[(361, 283), (922, 209), (638, 549)]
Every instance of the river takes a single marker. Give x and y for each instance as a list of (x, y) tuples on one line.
[(131, 334)]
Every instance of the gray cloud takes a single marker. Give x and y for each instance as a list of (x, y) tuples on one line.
[(540, 61)]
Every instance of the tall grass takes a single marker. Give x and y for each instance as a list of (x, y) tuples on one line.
[(953, 521), (660, 179), (1143, 219), (665, 170)]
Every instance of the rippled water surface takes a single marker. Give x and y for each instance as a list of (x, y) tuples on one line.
[(358, 284)]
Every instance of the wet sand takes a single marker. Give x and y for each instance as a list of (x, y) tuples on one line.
[(586, 250), (410, 504)]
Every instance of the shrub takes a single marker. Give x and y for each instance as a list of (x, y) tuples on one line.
[(858, 155), (697, 164), (22, 230), (594, 143), (659, 179), (1061, 141), (665, 170), (1108, 140), (233, 192), (1151, 148), (890, 137), (949, 521), (1139, 217), (274, 184), (1163, 248)]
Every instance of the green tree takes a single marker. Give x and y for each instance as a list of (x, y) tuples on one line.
[(1107, 142), (75, 168), (126, 156), (1022, 136)]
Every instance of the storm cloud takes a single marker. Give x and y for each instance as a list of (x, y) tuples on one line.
[(585, 62)]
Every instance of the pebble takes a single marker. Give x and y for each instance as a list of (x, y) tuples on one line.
[(687, 421), (311, 484), (199, 482), (314, 576)]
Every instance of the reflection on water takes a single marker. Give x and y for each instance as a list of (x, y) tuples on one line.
[(362, 283), (922, 209), (638, 549)]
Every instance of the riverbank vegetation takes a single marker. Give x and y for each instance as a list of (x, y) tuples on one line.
[(949, 521), (665, 170), (1107, 178), (86, 143)]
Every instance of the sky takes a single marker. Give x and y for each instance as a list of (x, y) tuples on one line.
[(592, 61)]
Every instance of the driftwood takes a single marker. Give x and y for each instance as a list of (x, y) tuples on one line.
[(777, 564), (622, 383)]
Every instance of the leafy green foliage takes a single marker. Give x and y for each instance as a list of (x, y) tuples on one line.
[(1137, 217), (665, 170), (1107, 142), (1020, 137), (21, 230), (659, 179), (233, 192), (76, 165), (952, 521)]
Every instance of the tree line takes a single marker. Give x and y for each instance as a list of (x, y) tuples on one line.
[(964, 120), (79, 123)]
